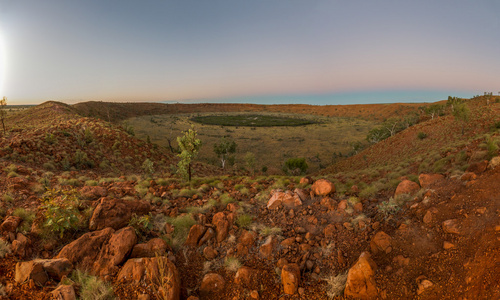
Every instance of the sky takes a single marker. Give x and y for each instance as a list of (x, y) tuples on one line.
[(184, 50)]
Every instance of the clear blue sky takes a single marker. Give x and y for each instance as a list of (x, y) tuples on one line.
[(152, 50)]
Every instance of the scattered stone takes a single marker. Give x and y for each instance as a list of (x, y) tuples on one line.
[(306, 180), (267, 249), (149, 270), (328, 203), (427, 217), (452, 226), (93, 192), (381, 242), (211, 284), (448, 245), (481, 210), (360, 279), (468, 176), (342, 205), (401, 260), (195, 234), (30, 270), (209, 234), (64, 292), (323, 187), (478, 167), (116, 213), (247, 278), (210, 253), (329, 231), (423, 285), (406, 187), (494, 162), (428, 180), (279, 198), (20, 246), (152, 248), (221, 224), (10, 224), (290, 278)]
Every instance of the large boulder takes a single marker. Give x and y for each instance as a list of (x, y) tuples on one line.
[(157, 270), (428, 180), (40, 270), (361, 279), (323, 187), (406, 187), (290, 278), (280, 198), (84, 251), (116, 213), (115, 251)]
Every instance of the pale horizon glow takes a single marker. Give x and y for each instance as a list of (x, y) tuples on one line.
[(186, 51)]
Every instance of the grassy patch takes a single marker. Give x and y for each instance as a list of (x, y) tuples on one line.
[(253, 120)]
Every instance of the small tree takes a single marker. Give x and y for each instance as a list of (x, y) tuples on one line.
[(295, 166), (461, 113), (189, 146), (223, 149), (250, 161), (3, 113)]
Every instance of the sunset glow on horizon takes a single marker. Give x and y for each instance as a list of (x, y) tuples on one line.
[(184, 50)]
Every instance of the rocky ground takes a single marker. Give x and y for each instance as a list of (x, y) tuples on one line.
[(83, 233)]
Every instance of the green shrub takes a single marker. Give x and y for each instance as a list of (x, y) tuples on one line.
[(141, 224), (226, 199), (295, 166), (92, 287), (182, 224), (244, 220), (61, 211), (421, 135)]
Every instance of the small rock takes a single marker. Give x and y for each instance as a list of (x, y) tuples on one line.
[(152, 248), (64, 292), (247, 278), (360, 279), (221, 224), (452, 226), (448, 245), (427, 180), (210, 253), (290, 278), (427, 217), (195, 234), (406, 187), (30, 271), (423, 285), (381, 242), (254, 294), (267, 249), (10, 224), (494, 162), (212, 283), (323, 187)]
